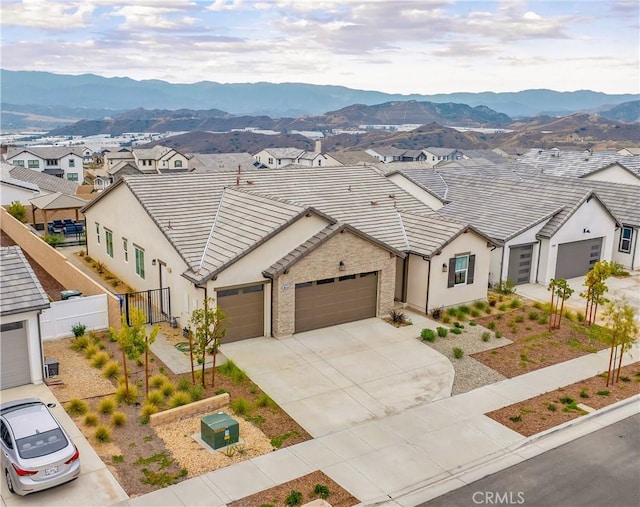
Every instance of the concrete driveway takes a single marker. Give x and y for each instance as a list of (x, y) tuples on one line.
[(96, 486), (335, 378)]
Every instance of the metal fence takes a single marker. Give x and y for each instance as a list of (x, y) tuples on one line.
[(155, 303)]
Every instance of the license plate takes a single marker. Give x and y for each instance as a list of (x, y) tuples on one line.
[(51, 471)]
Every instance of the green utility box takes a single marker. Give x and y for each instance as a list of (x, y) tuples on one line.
[(219, 430)]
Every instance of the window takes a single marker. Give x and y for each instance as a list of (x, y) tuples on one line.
[(625, 240), (139, 261), (72, 176), (97, 233), (108, 239), (6, 438), (33, 164), (52, 161), (125, 249), (460, 270), (177, 163), (19, 163), (72, 162)]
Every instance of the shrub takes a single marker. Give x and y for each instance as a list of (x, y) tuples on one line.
[(155, 397), (231, 370), (240, 406), (80, 343), (436, 313), (458, 325), (453, 312), (625, 379), (102, 434), (488, 310), (458, 352), (446, 319), (178, 399), (475, 313), (111, 369), (584, 393), (552, 407), (265, 401), (617, 269), (498, 334), (196, 392), (479, 305), (18, 211), (159, 380), (118, 419), (78, 329), (99, 359), (322, 491), (107, 406), (543, 320), (184, 384), (428, 335), (167, 389), (506, 287), (53, 239), (515, 303), (149, 409), (91, 419), (293, 498), (515, 418), (533, 315), (397, 317), (442, 331), (567, 400), (503, 307), (499, 316), (121, 394), (464, 309), (486, 336), (603, 393), (77, 407), (91, 350), (456, 330), (519, 319), (492, 325)]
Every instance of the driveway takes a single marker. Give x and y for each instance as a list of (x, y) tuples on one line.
[(335, 378), (96, 486)]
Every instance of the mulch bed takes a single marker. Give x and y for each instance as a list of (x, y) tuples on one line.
[(534, 346), (550, 409)]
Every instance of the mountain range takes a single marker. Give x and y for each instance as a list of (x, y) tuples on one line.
[(71, 97)]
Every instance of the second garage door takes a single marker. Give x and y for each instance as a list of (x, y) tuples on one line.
[(335, 301), (578, 257), (244, 312), (14, 352)]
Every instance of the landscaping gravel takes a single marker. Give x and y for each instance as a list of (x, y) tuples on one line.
[(469, 373)]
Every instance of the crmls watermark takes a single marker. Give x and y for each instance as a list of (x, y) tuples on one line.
[(498, 498)]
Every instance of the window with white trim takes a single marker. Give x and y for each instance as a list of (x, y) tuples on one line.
[(97, 233), (139, 261), (34, 164), (108, 240), (462, 265), (19, 163), (125, 249), (177, 163), (72, 162), (626, 235)]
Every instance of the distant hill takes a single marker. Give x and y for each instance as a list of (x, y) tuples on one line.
[(275, 100), (627, 111)]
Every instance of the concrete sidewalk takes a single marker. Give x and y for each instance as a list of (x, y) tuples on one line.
[(413, 456)]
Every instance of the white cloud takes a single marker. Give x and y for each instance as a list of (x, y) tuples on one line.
[(47, 15)]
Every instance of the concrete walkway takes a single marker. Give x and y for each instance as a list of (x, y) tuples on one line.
[(403, 458)]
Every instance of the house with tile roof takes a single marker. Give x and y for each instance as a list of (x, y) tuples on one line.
[(45, 182), (386, 154), (435, 154), (13, 189), (22, 298), (61, 161), (286, 250), (543, 229), (159, 158)]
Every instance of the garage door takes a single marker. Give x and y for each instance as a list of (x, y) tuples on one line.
[(15, 355), (335, 301), (575, 259), (520, 264), (244, 312)]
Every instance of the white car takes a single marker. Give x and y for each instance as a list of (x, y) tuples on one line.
[(37, 453)]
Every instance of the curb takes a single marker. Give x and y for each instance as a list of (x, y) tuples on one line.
[(455, 478)]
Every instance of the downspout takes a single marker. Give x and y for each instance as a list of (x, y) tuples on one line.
[(504, 248), (44, 377), (635, 247), (426, 305), (538, 260)]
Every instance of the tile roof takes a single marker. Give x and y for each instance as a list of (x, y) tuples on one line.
[(5, 177), (45, 182), (51, 152), (442, 152), (488, 155), (214, 162), (292, 153), (353, 157), (209, 213), (57, 200), (423, 175), (575, 163), (20, 289)]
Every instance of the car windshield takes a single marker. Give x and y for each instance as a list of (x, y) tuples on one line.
[(41, 444)]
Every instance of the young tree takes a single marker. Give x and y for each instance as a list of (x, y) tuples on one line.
[(562, 292), (17, 210), (596, 289), (134, 342), (620, 316), (207, 324)]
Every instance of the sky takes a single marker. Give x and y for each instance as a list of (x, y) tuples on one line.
[(394, 46)]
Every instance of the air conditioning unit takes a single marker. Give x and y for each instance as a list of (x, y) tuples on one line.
[(51, 368)]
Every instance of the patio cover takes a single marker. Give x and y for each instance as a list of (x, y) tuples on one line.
[(57, 201)]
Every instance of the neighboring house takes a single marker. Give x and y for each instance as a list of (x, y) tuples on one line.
[(103, 178), (278, 157), (112, 158), (494, 156), (386, 154), (213, 162), (435, 155), (631, 151), (13, 189), (159, 158), (61, 161), (413, 156), (21, 302), (285, 251), (578, 164), (353, 157), (624, 172), (543, 229), (46, 183)]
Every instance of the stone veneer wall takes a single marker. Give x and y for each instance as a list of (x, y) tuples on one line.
[(197, 407), (359, 256)]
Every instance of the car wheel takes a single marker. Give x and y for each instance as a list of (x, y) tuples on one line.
[(9, 482)]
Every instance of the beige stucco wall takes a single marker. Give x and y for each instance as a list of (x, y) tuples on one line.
[(615, 174), (358, 254), (417, 282), (420, 193), (56, 264)]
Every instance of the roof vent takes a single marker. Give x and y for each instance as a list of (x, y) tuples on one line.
[(374, 203)]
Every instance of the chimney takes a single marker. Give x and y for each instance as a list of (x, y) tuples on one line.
[(318, 146)]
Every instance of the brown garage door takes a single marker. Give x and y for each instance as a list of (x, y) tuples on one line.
[(335, 301), (578, 257), (244, 311)]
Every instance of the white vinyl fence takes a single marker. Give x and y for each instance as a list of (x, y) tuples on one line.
[(57, 321)]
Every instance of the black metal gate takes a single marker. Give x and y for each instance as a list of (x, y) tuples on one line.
[(155, 303)]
